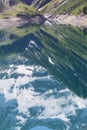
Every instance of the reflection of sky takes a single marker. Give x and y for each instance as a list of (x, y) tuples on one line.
[(37, 95), (40, 128)]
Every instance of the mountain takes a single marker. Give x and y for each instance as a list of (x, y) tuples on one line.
[(72, 7), (36, 3), (22, 13), (53, 10)]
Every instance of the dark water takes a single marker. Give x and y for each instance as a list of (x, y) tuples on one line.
[(43, 78)]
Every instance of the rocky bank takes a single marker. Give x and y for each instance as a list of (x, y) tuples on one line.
[(79, 20)]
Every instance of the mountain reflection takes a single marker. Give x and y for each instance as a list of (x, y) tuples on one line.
[(43, 78)]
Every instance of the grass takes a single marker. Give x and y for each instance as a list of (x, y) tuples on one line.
[(79, 9), (72, 7), (19, 8), (29, 10), (50, 6)]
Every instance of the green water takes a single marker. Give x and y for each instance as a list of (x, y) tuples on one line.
[(43, 78)]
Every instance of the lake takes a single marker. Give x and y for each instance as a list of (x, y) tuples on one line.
[(43, 78)]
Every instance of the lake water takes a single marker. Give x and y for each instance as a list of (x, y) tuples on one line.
[(43, 78)]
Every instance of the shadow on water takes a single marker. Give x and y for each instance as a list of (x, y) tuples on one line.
[(62, 51)]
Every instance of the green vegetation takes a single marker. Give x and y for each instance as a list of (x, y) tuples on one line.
[(50, 7), (73, 7), (20, 8), (29, 10)]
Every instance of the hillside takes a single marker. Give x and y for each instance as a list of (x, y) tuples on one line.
[(71, 7), (20, 14), (59, 11), (36, 3), (19, 8)]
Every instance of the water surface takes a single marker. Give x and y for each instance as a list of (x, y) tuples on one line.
[(43, 78)]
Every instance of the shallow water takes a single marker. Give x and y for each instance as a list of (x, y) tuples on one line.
[(43, 78)]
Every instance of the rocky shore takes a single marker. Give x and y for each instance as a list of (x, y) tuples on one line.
[(21, 20), (80, 20)]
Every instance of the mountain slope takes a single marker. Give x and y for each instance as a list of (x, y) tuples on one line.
[(65, 7), (72, 7), (58, 6), (36, 3)]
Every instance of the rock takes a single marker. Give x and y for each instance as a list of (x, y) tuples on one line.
[(37, 19), (48, 23)]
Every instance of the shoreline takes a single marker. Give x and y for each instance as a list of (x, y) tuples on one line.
[(20, 21), (79, 21), (7, 23)]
